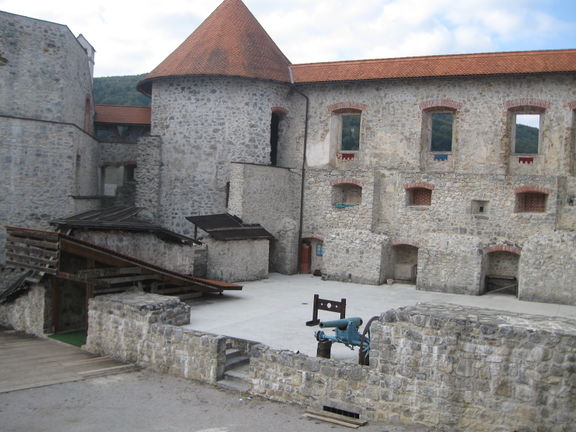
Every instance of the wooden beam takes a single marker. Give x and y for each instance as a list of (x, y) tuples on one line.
[(108, 271), (101, 291), (40, 235), (56, 304), (125, 279), (37, 243)]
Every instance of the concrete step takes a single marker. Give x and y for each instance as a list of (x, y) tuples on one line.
[(235, 362), (237, 379)]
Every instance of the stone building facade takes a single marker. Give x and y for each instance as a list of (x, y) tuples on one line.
[(48, 155), (453, 172)]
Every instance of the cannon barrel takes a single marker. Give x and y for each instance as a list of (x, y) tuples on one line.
[(341, 324)]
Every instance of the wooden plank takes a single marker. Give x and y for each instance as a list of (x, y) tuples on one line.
[(332, 420), (189, 296), (30, 242), (40, 260), (125, 279), (32, 250), (103, 291), (39, 235), (109, 271), (337, 417), (48, 270)]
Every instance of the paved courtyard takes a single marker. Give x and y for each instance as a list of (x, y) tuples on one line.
[(274, 311)]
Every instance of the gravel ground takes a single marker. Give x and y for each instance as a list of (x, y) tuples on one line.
[(144, 401)]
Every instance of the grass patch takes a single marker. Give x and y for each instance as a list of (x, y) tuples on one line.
[(77, 338)]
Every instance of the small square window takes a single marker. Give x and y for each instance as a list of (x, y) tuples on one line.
[(479, 207), (441, 130), (526, 133), (419, 197), (350, 133)]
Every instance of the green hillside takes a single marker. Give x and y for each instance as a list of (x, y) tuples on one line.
[(119, 90)]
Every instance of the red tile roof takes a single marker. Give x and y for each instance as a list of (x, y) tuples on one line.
[(525, 62), (122, 114), (230, 42)]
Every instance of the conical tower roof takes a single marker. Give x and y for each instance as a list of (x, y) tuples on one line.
[(230, 42)]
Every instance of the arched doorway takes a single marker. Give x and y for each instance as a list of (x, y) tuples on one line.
[(405, 259), (501, 270)]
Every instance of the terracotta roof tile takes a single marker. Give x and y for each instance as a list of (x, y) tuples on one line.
[(230, 42), (524, 62), (122, 114)]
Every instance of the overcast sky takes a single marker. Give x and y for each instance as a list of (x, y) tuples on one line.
[(133, 37)]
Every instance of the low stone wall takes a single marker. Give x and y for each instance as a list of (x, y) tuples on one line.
[(26, 313), (144, 329), (449, 367), (458, 368)]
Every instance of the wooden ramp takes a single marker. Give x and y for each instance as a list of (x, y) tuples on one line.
[(28, 362)]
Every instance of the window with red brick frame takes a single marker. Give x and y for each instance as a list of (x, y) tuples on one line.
[(531, 202), (419, 197)]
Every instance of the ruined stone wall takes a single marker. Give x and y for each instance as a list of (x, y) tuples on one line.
[(269, 196), (47, 74), (144, 329), (547, 268), (206, 123), (26, 313), (145, 246), (355, 256), (237, 260), (393, 117), (446, 366)]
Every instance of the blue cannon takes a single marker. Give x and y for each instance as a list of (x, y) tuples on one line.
[(348, 333)]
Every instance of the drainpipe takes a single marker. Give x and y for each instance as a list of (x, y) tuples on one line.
[(293, 88)]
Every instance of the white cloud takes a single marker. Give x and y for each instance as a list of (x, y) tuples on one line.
[(133, 37)]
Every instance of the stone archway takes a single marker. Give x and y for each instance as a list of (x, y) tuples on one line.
[(405, 262), (501, 272)]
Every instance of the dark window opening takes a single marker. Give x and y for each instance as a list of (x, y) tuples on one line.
[(274, 136), (441, 130), (227, 194), (350, 138)]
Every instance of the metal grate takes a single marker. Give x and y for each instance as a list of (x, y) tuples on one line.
[(341, 412)]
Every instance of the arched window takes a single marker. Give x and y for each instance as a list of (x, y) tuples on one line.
[(419, 194)]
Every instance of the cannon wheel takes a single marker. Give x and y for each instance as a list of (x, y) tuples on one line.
[(364, 357)]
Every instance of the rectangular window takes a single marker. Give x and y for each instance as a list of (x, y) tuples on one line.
[(441, 124), (350, 132), (526, 133)]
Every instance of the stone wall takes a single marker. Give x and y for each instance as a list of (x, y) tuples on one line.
[(547, 268), (451, 367), (237, 260), (26, 313), (206, 123), (450, 263), (269, 196), (43, 166), (47, 75), (47, 154), (145, 246), (356, 256), (393, 117), (148, 163), (144, 329)]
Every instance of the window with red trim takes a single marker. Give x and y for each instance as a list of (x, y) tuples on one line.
[(419, 197), (531, 202)]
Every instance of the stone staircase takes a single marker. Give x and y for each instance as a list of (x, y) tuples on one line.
[(236, 371)]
